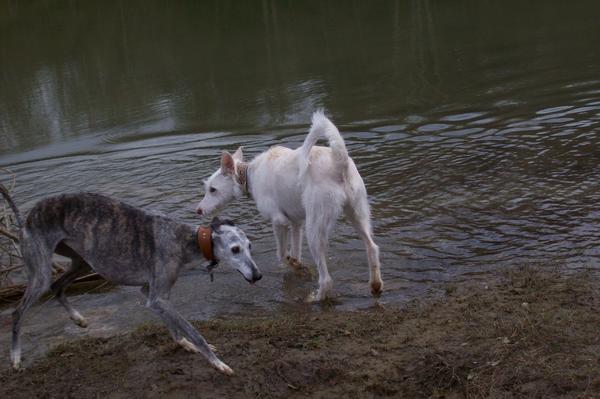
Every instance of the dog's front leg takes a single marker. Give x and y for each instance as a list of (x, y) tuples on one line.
[(177, 324), (176, 335), (296, 247), (281, 239), (294, 259)]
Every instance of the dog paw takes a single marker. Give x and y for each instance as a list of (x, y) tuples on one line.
[(81, 322), (322, 297), (188, 346), (292, 261), (376, 288), (311, 298), (213, 348), (222, 367), (78, 319), (297, 265), (15, 360), (17, 366)]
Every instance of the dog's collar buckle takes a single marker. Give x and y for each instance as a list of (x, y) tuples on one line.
[(204, 239), (212, 265)]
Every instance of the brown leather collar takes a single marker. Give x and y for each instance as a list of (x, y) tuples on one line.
[(205, 243)]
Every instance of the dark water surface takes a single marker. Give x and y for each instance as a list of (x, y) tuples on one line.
[(473, 123)]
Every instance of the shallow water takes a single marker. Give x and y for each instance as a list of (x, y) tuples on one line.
[(474, 125)]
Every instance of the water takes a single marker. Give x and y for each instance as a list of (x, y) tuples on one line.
[(473, 123)]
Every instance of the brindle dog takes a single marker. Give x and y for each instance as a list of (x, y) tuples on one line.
[(125, 245)]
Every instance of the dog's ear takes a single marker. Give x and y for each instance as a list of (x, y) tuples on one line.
[(238, 155), (227, 166), (216, 223)]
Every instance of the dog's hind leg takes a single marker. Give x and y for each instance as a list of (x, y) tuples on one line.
[(359, 214), (37, 257), (322, 212), (178, 326), (78, 268)]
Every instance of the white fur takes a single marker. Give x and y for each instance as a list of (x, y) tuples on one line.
[(15, 358), (309, 186)]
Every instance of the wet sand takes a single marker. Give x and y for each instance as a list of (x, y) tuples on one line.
[(529, 333)]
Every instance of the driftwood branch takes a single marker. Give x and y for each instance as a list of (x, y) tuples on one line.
[(15, 292), (10, 257), (8, 234)]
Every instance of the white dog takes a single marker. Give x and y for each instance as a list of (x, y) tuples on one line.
[(310, 185)]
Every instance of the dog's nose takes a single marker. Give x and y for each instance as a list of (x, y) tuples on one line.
[(256, 277), (199, 211)]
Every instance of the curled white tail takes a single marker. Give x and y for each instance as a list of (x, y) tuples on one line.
[(322, 127)]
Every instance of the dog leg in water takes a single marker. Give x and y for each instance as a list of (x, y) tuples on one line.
[(296, 238), (358, 214), (296, 265), (281, 232)]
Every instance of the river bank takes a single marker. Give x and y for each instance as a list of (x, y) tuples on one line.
[(529, 333)]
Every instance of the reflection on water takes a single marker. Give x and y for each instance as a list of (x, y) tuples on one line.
[(474, 125)]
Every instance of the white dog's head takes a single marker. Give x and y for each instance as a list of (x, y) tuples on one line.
[(222, 187)]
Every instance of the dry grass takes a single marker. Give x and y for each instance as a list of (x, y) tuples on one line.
[(532, 333)]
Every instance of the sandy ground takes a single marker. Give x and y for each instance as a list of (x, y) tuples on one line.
[(531, 333)]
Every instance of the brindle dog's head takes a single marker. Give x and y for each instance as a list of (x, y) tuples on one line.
[(231, 246)]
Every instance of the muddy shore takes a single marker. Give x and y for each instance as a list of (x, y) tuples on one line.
[(530, 333)]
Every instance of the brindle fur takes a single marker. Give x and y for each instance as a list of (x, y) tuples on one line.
[(125, 245)]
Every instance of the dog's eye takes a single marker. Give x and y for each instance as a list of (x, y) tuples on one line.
[(249, 247), (235, 250), (212, 189)]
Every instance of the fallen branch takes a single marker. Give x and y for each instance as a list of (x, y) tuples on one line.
[(8, 234), (15, 292), (10, 254)]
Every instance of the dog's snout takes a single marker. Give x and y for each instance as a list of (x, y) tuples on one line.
[(256, 274)]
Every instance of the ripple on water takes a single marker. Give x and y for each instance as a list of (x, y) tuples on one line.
[(452, 195)]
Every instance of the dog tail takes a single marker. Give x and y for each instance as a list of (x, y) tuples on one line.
[(12, 205), (322, 127)]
